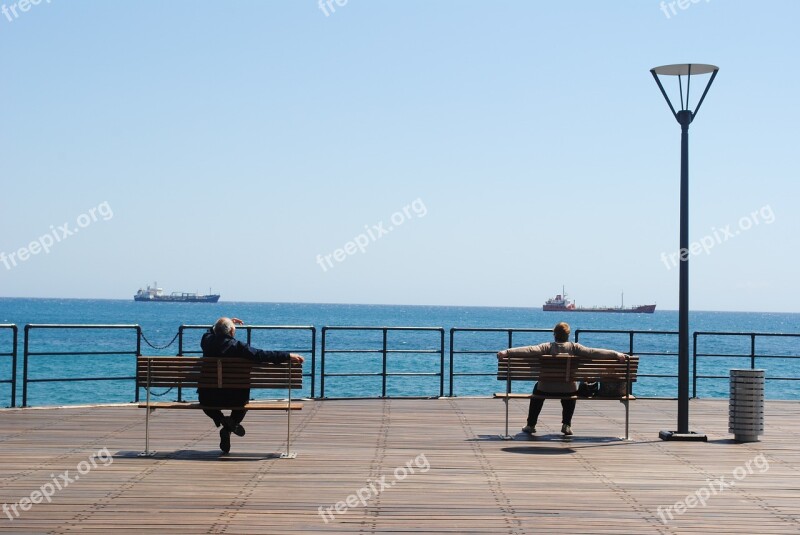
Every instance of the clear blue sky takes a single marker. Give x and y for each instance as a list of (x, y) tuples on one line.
[(239, 143)]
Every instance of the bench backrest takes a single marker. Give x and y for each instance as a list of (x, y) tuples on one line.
[(212, 372), (566, 368)]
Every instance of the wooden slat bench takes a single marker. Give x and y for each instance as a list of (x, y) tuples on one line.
[(206, 372), (566, 368)]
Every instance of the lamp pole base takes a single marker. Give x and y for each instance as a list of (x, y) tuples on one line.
[(690, 436)]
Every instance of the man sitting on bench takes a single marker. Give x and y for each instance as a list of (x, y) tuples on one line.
[(561, 345), (219, 341)]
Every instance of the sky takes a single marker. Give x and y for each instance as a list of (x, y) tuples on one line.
[(401, 152)]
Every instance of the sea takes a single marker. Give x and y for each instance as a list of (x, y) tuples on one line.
[(69, 366)]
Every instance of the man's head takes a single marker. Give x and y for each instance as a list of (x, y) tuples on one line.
[(224, 327), (561, 332)]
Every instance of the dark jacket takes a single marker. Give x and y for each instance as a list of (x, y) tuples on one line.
[(228, 346)]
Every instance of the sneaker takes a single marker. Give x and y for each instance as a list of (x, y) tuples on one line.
[(236, 429), (566, 429), (529, 429), (224, 440)]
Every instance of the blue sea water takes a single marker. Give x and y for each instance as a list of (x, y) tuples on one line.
[(413, 351)]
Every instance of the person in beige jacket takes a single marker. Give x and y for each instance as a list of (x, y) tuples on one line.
[(561, 345)]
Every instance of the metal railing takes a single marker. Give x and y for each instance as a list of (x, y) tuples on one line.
[(631, 334), (13, 354), (353, 341), (752, 355), (475, 351), (249, 329), (384, 351), (27, 353)]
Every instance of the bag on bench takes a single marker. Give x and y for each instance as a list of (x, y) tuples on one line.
[(611, 389), (588, 389)]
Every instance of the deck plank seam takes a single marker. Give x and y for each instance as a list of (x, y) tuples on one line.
[(372, 512), (129, 484), (235, 506), (510, 517)]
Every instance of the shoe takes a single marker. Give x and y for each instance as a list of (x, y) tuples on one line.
[(224, 440), (529, 430), (566, 429), (236, 429)]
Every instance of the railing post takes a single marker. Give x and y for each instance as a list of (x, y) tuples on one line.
[(25, 368), (694, 365), (752, 351), (180, 354), (630, 345), (14, 368), (383, 373), (138, 353), (441, 362), (313, 357), (322, 365), (452, 338)]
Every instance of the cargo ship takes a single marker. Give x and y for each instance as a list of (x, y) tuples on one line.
[(560, 303), (154, 293)]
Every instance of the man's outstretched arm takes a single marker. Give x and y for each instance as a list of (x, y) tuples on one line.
[(541, 349)]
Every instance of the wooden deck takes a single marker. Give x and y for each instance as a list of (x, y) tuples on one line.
[(464, 480)]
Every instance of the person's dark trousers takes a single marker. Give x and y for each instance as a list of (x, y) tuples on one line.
[(224, 397), (567, 410)]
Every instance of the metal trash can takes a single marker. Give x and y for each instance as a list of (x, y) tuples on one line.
[(746, 407)]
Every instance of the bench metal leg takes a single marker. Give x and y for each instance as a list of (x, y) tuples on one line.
[(627, 418), (289, 454), (147, 452), (506, 436)]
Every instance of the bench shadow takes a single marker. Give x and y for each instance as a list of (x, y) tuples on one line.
[(201, 455), (539, 450)]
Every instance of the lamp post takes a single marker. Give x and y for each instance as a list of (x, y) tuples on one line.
[(684, 116)]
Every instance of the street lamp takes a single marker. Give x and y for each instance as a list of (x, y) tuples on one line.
[(684, 116)]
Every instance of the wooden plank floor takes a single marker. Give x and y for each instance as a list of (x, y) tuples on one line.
[(423, 466)]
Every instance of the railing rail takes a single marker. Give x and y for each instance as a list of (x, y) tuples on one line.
[(481, 330), (249, 330), (384, 351), (421, 341), (752, 355), (13, 354), (27, 353), (632, 348)]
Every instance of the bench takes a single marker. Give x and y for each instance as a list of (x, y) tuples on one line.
[(211, 372), (566, 368)]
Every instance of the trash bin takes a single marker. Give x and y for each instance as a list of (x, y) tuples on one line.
[(746, 407)]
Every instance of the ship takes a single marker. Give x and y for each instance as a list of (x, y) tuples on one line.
[(154, 293), (560, 303)]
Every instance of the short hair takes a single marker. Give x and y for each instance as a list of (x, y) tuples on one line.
[(223, 327), (561, 332)]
